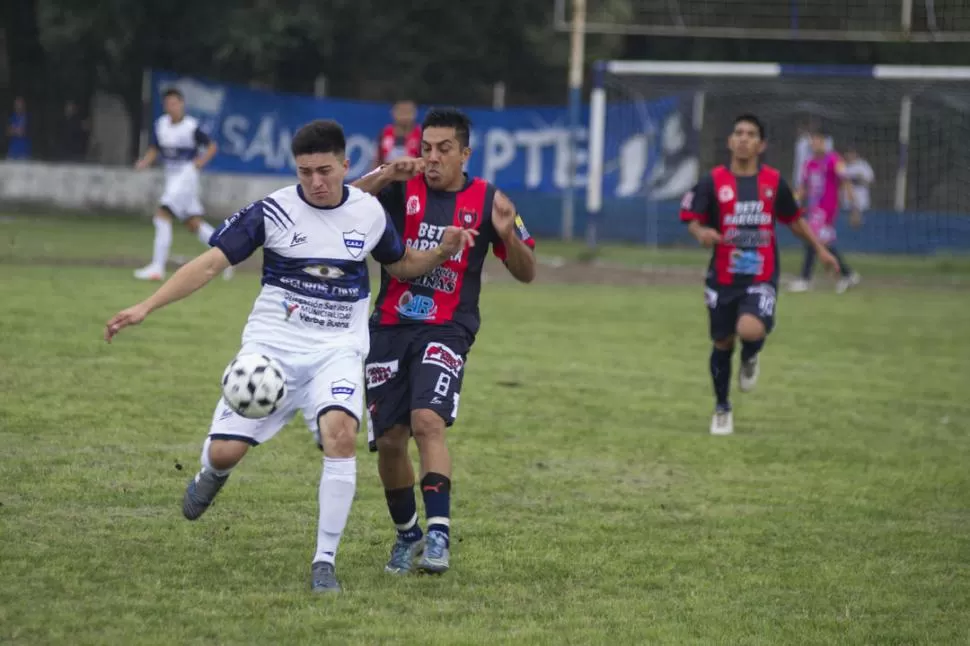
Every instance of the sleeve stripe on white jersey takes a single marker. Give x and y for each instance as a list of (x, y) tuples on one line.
[(272, 216), (276, 207)]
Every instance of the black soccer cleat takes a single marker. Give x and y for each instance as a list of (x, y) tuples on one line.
[(201, 492)]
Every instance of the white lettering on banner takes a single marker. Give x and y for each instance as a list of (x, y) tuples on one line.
[(361, 151), (275, 154), (231, 127), (502, 148), (499, 152)]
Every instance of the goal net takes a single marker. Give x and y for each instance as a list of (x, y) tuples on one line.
[(844, 20), (655, 126)]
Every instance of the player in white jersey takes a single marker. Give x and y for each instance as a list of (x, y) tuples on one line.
[(178, 138), (310, 315)]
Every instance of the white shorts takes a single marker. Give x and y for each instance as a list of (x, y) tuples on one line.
[(315, 383), (181, 194)]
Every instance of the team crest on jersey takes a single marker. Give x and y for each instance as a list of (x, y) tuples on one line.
[(342, 389), (468, 218), (413, 205), (725, 194), (354, 241)]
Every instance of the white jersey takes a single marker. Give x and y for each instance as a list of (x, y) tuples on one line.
[(860, 174), (178, 143), (316, 288)]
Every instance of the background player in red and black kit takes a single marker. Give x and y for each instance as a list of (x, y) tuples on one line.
[(423, 329), (734, 210)]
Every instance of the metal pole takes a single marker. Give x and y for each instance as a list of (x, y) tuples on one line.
[(577, 55)]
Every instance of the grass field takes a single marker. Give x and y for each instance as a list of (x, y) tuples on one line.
[(591, 505)]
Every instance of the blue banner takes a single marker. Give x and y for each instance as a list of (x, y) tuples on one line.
[(650, 148)]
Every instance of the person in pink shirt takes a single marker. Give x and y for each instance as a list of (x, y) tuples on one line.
[(821, 179)]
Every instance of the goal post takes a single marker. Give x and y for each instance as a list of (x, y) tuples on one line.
[(919, 21), (655, 125)]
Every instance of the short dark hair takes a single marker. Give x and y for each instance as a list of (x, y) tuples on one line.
[(753, 119), (818, 132), (319, 136), (450, 118), (172, 91)]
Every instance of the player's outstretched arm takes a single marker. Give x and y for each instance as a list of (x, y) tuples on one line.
[(399, 170), (189, 278), (417, 263), (520, 260), (150, 155)]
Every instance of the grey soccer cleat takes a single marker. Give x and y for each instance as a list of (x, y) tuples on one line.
[(324, 578), (201, 492), (436, 554), (403, 554), (748, 374)]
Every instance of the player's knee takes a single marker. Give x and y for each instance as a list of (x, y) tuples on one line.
[(192, 224), (727, 343), (163, 213), (751, 328), (394, 441), (427, 426), (225, 454), (338, 429)]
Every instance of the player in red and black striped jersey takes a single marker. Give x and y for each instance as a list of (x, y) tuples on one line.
[(422, 329), (734, 210)]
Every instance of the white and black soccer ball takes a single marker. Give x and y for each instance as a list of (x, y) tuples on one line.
[(253, 385)]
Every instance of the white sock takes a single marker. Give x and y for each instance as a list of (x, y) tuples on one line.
[(205, 232), (163, 242), (337, 487), (206, 464)]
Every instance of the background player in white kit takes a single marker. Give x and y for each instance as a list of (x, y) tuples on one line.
[(178, 138), (310, 315)]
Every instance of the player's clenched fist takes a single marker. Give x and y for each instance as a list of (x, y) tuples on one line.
[(403, 169), (455, 239)]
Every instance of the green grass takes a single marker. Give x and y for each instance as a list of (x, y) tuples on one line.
[(87, 238), (953, 268), (591, 506)]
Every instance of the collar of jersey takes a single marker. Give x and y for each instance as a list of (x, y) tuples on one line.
[(343, 198)]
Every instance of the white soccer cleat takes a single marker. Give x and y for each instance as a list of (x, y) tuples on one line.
[(748, 374), (846, 282), (799, 285), (149, 272), (723, 422), (228, 273)]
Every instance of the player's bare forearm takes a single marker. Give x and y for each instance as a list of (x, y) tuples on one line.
[(416, 263), (148, 158), (802, 231), (190, 277), (849, 193), (520, 260), (373, 182), (206, 157)]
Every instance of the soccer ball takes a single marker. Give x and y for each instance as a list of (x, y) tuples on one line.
[(253, 385)]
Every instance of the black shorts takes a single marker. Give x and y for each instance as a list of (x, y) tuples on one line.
[(410, 367), (725, 305)]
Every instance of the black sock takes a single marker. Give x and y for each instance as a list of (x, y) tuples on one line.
[(721, 375), (808, 264), (436, 490), (404, 512), (750, 348), (846, 270)]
